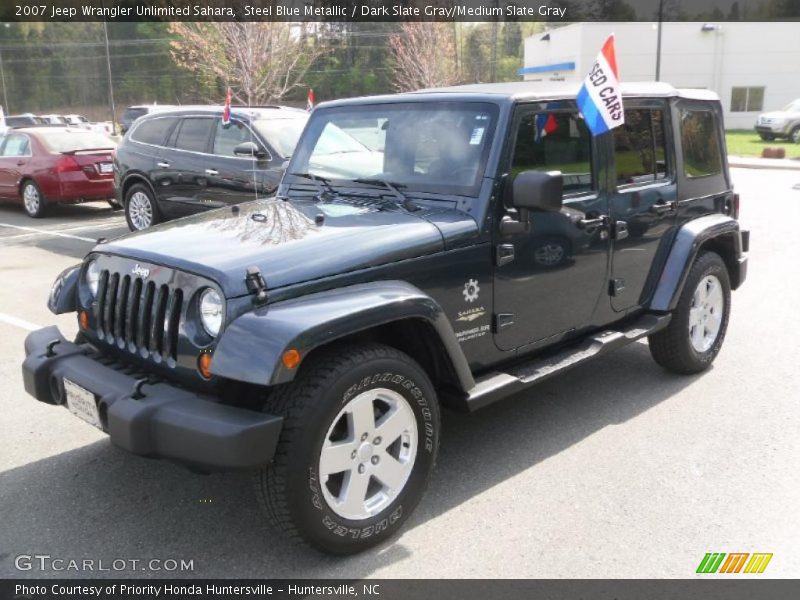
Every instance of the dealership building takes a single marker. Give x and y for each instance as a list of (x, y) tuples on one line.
[(754, 67)]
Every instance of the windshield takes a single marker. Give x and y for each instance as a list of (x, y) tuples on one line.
[(422, 146), (71, 141), (281, 134), (792, 106)]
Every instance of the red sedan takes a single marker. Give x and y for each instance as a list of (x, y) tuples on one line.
[(48, 165)]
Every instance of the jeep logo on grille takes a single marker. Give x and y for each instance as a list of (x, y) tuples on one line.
[(140, 271)]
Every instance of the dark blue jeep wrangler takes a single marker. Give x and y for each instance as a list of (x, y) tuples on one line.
[(447, 247)]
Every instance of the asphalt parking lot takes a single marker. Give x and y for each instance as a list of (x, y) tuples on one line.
[(617, 469)]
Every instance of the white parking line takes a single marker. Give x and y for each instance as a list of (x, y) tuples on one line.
[(46, 232), (21, 323)]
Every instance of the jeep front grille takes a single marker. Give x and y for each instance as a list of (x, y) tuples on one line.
[(139, 316)]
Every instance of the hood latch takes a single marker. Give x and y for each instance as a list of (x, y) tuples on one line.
[(256, 285)]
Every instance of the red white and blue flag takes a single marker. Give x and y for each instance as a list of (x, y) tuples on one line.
[(311, 100), (226, 111), (600, 98)]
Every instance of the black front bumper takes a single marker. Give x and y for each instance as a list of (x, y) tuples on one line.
[(166, 422)]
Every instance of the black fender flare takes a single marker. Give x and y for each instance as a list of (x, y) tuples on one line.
[(63, 297), (251, 347), (685, 247)]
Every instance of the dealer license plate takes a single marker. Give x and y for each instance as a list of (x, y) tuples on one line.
[(106, 167), (82, 403)]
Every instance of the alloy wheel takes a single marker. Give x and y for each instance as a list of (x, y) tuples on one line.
[(368, 454)]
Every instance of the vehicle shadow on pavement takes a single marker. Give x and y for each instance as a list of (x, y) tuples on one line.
[(99, 502), (91, 221)]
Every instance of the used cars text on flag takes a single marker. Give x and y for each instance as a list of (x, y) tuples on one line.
[(600, 97)]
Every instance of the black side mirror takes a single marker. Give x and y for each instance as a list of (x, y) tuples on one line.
[(249, 149), (533, 190), (538, 190)]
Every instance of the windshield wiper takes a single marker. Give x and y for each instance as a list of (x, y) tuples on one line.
[(407, 203), (323, 184)]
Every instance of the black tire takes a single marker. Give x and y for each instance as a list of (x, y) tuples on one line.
[(767, 137), (137, 193), (290, 490), (794, 135), (672, 346), (35, 205)]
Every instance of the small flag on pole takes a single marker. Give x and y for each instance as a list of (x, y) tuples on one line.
[(226, 112), (311, 100), (600, 97)]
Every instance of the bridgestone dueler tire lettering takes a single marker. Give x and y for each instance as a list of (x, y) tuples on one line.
[(289, 489)]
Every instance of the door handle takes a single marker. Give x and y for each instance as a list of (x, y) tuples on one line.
[(163, 165), (600, 221), (663, 207), (212, 172)]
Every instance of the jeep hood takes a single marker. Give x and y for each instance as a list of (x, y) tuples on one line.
[(286, 240)]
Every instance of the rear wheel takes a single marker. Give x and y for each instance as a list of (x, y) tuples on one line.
[(694, 336), (141, 210), (794, 135), (32, 200), (359, 441)]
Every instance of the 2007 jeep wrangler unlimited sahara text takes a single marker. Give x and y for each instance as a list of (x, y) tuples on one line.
[(445, 247)]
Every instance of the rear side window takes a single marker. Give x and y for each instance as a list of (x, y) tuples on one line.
[(16, 145), (153, 131), (555, 141), (193, 134), (699, 140), (639, 147)]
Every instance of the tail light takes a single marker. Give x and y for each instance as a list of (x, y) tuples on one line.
[(67, 164)]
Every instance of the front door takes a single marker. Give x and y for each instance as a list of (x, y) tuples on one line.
[(643, 198), (550, 279), (15, 152)]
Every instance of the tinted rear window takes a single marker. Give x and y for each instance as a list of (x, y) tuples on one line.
[(153, 131), (70, 141), (132, 114), (193, 134), (701, 155)]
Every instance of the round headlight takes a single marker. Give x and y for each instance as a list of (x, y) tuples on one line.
[(211, 311), (93, 277)]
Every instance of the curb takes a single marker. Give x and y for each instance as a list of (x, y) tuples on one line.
[(783, 164)]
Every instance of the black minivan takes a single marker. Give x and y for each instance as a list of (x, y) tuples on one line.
[(181, 161)]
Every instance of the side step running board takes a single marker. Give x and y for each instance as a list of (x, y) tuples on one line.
[(497, 386)]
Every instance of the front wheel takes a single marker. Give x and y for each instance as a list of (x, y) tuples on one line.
[(359, 441), (794, 135), (141, 210), (694, 336), (767, 137)]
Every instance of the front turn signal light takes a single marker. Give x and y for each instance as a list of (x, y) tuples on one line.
[(291, 358), (204, 365)]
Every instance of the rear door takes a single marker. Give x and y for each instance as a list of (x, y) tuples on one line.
[(642, 199), (184, 167)]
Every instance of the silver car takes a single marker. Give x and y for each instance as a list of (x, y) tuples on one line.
[(784, 123)]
